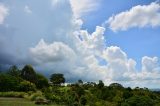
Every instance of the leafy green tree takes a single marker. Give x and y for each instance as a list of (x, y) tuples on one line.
[(28, 73), (80, 82), (116, 85), (78, 92), (57, 79), (89, 85), (14, 71), (41, 81), (127, 94), (8, 83), (100, 84)]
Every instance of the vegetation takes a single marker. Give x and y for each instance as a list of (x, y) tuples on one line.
[(35, 87), (57, 79)]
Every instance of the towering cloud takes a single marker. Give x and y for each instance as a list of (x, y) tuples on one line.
[(57, 51), (53, 40)]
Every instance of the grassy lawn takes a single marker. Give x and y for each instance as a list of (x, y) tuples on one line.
[(18, 102)]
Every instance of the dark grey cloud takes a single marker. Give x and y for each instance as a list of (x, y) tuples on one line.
[(21, 31)]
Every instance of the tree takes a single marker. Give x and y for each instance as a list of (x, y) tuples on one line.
[(57, 79), (100, 84), (78, 92), (127, 94), (8, 83), (41, 82), (116, 85), (28, 73), (14, 71), (80, 82)]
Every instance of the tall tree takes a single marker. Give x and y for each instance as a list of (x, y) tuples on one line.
[(28, 73), (57, 79), (116, 85), (80, 82), (41, 82), (100, 84), (14, 71)]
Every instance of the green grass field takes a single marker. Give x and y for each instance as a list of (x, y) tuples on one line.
[(18, 102)]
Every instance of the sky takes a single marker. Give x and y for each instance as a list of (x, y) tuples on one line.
[(109, 40)]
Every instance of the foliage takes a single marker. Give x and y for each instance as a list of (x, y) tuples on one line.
[(139, 101), (28, 73), (36, 95), (8, 83), (41, 81), (57, 79), (116, 86), (27, 86), (26, 83), (14, 71), (80, 82), (100, 84)]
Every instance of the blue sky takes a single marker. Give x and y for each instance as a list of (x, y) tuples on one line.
[(109, 40), (136, 42)]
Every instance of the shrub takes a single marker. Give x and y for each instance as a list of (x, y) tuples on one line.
[(36, 95), (8, 83), (139, 101), (27, 86)]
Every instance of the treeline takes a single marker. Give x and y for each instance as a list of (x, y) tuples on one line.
[(28, 82), (22, 80)]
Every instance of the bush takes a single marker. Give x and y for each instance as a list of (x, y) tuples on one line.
[(53, 98), (36, 95), (27, 86), (83, 100), (139, 101), (8, 83)]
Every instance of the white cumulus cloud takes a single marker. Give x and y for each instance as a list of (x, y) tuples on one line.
[(113, 53), (119, 66), (138, 16), (92, 42), (123, 70), (4, 11), (57, 51), (81, 7), (150, 64)]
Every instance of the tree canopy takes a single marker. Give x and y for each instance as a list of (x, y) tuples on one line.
[(28, 73), (57, 79), (28, 81)]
